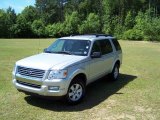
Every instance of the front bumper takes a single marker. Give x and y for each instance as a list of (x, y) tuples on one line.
[(41, 87)]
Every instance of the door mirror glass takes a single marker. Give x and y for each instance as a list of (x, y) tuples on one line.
[(96, 55)]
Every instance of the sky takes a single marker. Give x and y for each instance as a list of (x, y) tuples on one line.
[(17, 5)]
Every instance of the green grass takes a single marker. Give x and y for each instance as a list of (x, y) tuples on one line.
[(134, 96)]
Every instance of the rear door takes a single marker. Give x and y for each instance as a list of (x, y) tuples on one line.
[(107, 55), (101, 66)]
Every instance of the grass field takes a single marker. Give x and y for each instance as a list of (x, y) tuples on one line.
[(135, 96)]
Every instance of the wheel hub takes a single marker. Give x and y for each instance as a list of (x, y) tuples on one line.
[(75, 92)]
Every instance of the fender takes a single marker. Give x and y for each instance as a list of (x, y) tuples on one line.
[(115, 63), (75, 73)]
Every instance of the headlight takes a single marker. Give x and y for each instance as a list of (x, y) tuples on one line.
[(57, 74)]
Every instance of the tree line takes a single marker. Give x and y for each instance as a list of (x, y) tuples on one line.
[(126, 19)]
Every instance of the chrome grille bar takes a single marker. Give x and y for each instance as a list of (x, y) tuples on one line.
[(30, 72), (29, 84)]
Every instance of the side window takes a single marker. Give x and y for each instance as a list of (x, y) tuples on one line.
[(96, 47), (106, 46), (116, 44)]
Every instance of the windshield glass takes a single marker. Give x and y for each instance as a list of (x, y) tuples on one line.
[(74, 47)]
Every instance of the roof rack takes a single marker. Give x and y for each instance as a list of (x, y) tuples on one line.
[(97, 35)]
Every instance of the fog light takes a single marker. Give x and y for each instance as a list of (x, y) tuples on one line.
[(55, 88)]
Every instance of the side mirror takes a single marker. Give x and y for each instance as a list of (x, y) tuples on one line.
[(96, 55)]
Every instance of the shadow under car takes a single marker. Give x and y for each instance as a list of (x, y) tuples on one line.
[(96, 93)]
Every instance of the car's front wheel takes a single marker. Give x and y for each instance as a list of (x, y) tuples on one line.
[(76, 91)]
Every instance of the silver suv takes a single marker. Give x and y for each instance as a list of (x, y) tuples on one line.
[(68, 65)]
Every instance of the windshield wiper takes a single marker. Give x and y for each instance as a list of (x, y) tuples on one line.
[(47, 51), (64, 52), (59, 52)]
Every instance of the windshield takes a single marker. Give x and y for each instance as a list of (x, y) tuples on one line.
[(71, 47)]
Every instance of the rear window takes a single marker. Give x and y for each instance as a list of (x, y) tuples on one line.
[(116, 44)]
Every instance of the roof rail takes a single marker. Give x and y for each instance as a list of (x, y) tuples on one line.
[(97, 35)]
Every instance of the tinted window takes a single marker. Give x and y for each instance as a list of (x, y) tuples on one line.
[(116, 44), (103, 46), (75, 47), (96, 47)]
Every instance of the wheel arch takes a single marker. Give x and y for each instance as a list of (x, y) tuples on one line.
[(78, 74), (116, 62), (82, 83), (82, 76)]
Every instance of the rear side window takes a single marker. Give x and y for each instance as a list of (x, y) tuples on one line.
[(116, 44), (103, 46), (108, 46)]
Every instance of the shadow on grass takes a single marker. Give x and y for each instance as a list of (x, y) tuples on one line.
[(97, 92)]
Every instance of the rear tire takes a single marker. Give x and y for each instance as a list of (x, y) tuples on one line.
[(76, 91), (115, 73)]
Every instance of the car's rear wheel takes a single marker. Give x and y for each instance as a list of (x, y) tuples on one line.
[(76, 91), (115, 73)]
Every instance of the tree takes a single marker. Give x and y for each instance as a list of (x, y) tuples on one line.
[(65, 17), (10, 21), (51, 11), (22, 28), (71, 23), (91, 25), (70, 6), (3, 26), (129, 21), (55, 30), (38, 28), (106, 18), (30, 13)]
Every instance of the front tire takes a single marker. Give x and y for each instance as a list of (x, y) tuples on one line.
[(76, 91)]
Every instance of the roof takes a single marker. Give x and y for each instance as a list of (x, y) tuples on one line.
[(88, 37)]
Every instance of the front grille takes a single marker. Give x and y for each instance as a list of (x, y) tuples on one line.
[(30, 72), (29, 84)]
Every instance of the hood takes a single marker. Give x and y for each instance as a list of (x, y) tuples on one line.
[(46, 61)]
